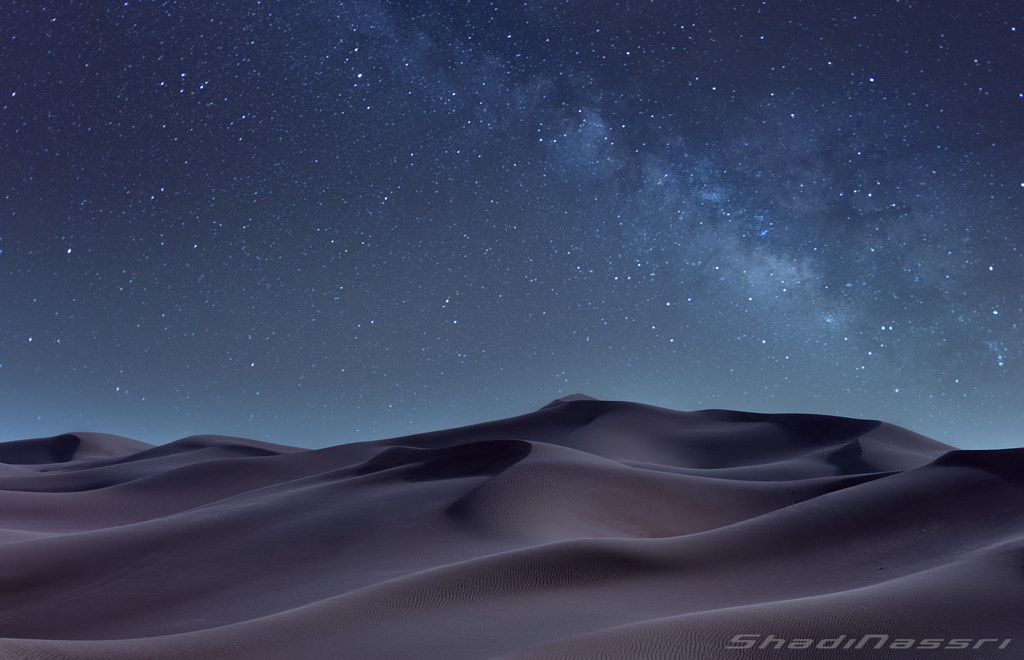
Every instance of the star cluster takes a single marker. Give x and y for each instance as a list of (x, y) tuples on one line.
[(318, 222)]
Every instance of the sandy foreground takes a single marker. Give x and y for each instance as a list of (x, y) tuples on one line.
[(587, 529)]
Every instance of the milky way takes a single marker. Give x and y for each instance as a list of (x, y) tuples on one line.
[(319, 222)]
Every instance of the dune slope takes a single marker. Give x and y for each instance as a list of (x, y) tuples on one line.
[(587, 529)]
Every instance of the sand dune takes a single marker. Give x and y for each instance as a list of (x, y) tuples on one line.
[(587, 529)]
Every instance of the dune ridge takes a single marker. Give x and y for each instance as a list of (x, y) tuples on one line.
[(585, 529)]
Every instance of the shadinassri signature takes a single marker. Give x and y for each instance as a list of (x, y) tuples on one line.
[(874, 641)]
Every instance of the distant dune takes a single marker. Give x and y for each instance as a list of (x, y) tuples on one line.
[(587, 529)]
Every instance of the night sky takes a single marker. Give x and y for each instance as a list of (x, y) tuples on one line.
[(318, 222)]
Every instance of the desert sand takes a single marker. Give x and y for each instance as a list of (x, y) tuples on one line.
[(587, 529)]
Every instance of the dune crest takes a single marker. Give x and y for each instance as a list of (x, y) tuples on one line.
[(586, 529)]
